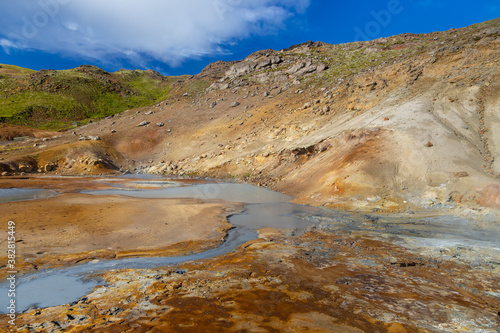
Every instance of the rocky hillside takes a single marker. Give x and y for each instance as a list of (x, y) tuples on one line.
[(392, 124)]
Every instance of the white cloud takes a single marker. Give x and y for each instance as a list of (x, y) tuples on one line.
[(167, 30)]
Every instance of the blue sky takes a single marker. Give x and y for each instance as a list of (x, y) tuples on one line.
[(181, 37)]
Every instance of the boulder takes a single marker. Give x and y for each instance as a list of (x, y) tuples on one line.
[(241, 68)]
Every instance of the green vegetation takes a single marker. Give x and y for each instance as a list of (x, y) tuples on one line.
[(11, 70), (51, 99)]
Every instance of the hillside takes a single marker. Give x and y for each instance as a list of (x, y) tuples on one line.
[(392, 124), (50, 99)]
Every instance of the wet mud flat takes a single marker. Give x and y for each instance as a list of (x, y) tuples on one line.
[(345, 272), (70, 227)]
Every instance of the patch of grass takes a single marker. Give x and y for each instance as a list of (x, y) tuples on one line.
[(11, 70), (346, 62), (54, 99)]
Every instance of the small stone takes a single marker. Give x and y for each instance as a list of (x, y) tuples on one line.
[(386, 118), (160, 124), (213, 104), (429, 144), (234, 104), (267, 93), (113, 131), (148, 113), (461, 174), (143, 123)]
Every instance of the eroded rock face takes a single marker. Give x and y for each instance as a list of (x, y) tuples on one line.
[(263, 66)]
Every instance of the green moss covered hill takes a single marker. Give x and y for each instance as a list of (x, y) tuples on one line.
[(50, 99)]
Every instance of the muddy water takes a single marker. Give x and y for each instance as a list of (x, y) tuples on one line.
[(217, 191), (264, 208)]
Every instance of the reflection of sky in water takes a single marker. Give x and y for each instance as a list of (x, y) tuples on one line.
[(223, 191), (276, 215), (17, 194), (59, 288)]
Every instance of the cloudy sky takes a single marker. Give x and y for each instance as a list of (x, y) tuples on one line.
[(178, 37)]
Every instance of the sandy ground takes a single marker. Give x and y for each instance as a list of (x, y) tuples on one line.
[(9, 132)]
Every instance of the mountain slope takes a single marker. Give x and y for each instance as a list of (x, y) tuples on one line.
[(54, 99)]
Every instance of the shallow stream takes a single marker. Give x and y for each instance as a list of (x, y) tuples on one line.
[(264, 208)]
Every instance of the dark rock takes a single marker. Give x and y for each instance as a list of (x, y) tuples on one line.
[(180, 271)]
